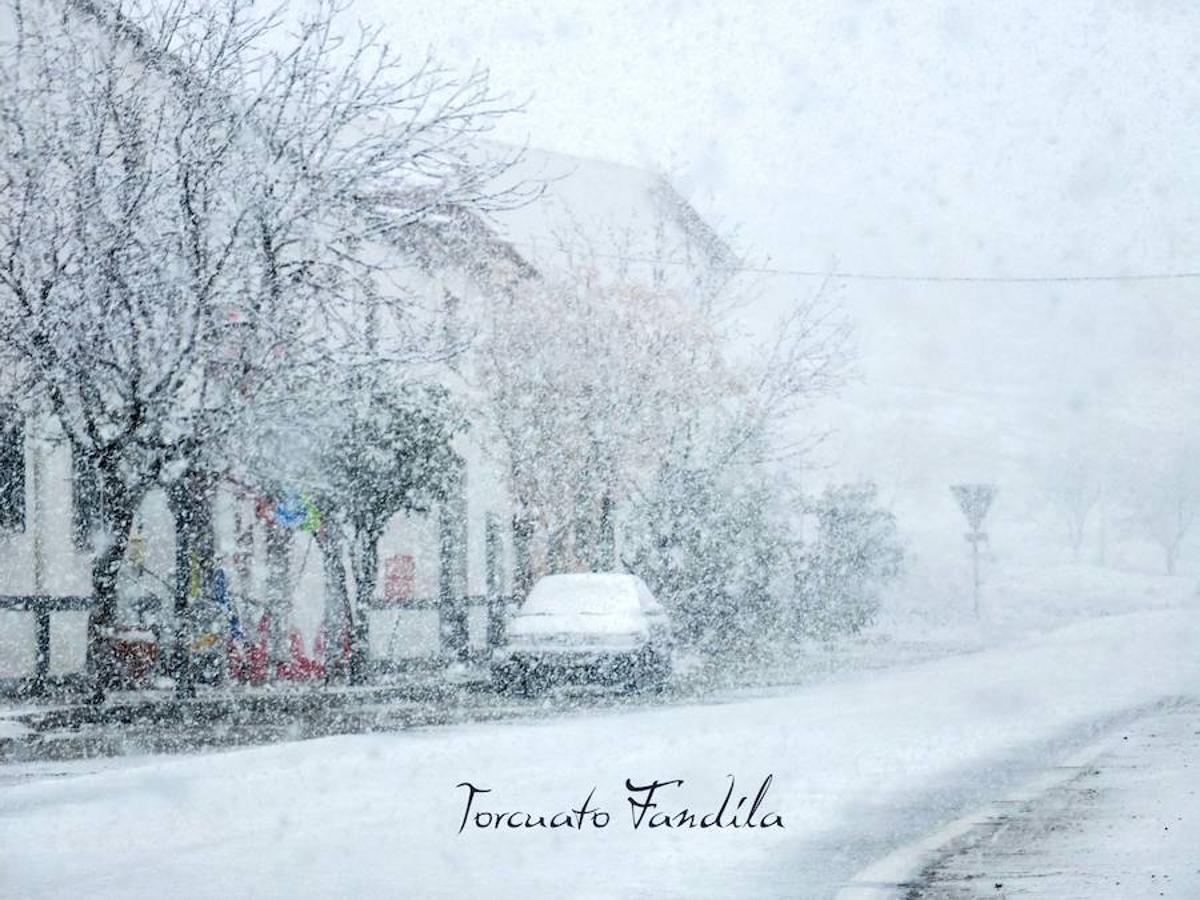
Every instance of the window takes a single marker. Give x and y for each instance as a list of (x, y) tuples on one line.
[(87, 498), (12, 472)]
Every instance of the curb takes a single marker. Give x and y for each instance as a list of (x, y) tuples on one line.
[(893, 875)]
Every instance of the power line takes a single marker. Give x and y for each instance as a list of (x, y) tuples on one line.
[(977, 279), (838, 275)]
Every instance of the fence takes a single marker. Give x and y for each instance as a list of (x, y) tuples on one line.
[(42, 608), (461, 630), (464, 629)]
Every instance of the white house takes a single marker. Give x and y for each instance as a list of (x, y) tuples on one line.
[(456, 260)]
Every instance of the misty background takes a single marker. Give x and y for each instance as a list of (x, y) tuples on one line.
[(947, 143)]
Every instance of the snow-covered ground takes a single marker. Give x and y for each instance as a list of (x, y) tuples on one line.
[(932, 603), (861, 764)]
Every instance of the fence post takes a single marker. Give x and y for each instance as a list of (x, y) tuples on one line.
[(41, 670)]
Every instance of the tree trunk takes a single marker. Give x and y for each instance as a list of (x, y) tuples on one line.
[(106, 566), (278, 596), (338, 618), (586, 529), (191, 502), (180, 666), (102, 621), (607, 544), (364, 559), (522, 538), (556, 548), (244, 554)]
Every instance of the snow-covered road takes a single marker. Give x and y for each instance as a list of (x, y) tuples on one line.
[(1123, 824), (860, 765)]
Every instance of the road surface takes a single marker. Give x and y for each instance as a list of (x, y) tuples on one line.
[(860, 765)]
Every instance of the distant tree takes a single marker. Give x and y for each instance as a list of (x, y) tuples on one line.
[(623, 363), (1164, 497), (1073, 486), (840, 574)]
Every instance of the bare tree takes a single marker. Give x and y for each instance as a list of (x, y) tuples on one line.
[(619, 361), (117, 261), (1164, 498), (193, 203), (1073, 487), (586, 377)]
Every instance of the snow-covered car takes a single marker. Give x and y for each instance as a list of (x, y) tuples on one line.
[(585, 629)]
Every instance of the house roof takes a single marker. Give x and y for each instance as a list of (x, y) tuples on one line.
[(621, 210), (604, 211)]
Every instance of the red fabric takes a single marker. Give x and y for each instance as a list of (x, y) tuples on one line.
[(251, 663), (236, 662), (257, 663), (300, 667)]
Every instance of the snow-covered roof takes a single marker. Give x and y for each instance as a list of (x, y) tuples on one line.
[(610, 213), (607, 204)]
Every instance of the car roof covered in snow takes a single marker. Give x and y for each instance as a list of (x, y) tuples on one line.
[(595, 594)]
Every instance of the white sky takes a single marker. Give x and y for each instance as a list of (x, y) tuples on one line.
[(989, 138), (1022, 137)]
